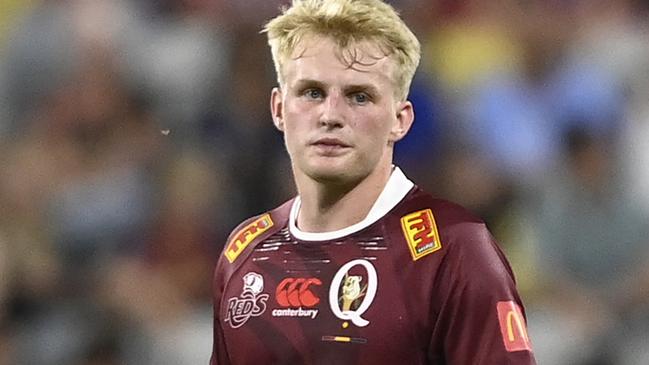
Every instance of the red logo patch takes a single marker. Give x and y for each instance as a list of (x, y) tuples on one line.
[(512, 327), (243, 238), (293, 292)]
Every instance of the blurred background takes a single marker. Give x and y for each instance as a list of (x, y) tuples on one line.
[(135, 134)]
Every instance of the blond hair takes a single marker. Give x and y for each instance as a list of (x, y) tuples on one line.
[(346, 22)]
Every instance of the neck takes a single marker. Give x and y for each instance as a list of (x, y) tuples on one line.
[(329, 207)]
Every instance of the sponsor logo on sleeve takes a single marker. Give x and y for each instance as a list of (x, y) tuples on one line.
[(251, 302), (297, 298), (246, 235), (512, 327), (420, 231)]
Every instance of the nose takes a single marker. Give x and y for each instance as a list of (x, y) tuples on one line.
[(332, 114)]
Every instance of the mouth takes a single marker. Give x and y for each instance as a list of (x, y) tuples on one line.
[(330, 142), (330, 146)]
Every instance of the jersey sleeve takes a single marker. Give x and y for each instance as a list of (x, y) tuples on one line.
[(219, 351), (237, 247), (479, 315), (221, 275)]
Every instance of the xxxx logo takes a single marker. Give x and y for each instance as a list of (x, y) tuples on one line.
[(295, 294), (251, 302), (420, 231)]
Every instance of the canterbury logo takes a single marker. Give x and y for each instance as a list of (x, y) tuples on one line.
[(292, 292), (246, 235)]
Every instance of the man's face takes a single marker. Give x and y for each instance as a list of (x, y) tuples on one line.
[(339, 122)]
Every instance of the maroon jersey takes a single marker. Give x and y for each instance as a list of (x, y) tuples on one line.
[(419, 281)]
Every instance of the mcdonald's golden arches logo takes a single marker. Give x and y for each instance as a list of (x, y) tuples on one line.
[(512, 327)]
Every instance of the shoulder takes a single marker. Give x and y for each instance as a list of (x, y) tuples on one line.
[(254, 230), (451, 220), (446, 212), (431, 224), (466, 255)]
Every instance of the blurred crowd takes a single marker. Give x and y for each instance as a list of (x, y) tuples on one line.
[(135, 134)]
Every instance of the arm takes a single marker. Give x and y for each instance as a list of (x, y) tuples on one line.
[(479, 315), (219, 351)]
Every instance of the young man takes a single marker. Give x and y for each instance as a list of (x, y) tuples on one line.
[(362, 267)]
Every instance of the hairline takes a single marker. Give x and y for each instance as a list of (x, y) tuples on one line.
[(301, 47)]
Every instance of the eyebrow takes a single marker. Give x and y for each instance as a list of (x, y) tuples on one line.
[(306, 83), (303, 83)]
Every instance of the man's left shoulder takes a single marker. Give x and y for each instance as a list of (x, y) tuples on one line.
[(446, 214), (430, 224)]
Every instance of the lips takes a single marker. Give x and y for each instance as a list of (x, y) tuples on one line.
[(330, 142), (330, 147)]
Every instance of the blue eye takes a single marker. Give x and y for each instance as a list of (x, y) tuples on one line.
[(360, 98), (313, 93)]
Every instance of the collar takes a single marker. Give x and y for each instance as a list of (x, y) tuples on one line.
[(395, 190)]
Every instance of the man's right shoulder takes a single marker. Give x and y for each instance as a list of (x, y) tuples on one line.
[(254, 230)]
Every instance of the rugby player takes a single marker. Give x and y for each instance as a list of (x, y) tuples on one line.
[(362, 266)]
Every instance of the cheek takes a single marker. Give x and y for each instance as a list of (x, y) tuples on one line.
[(293, 125), (298, 119), (376, 126), (294, 113)]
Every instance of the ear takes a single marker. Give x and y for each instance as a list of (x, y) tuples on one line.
[(403, 121), (277, 108)]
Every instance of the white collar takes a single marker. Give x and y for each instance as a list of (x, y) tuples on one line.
[(394, 191)]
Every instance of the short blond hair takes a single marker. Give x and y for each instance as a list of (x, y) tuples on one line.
[(346, 22)]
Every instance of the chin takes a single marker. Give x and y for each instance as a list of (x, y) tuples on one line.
[(337, 173)]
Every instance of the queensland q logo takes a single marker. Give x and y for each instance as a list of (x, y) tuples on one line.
[(352, 292)]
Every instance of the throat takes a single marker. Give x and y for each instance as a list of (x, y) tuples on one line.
[(328, 219), (331, 209)]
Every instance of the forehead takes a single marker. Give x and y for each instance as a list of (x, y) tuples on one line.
[(321, 59)]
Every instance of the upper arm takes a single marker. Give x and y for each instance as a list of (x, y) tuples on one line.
[(479, 314), (219, 351)]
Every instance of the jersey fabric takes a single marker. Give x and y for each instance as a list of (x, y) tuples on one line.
[(419, 281)]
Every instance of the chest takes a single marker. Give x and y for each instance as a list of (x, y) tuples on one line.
[(359, 300)]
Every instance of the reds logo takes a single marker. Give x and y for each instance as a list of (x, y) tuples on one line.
[(420, 231), (243, 238), (251, 302)]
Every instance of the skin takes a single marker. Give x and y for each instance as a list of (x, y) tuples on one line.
[(340, 124)]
